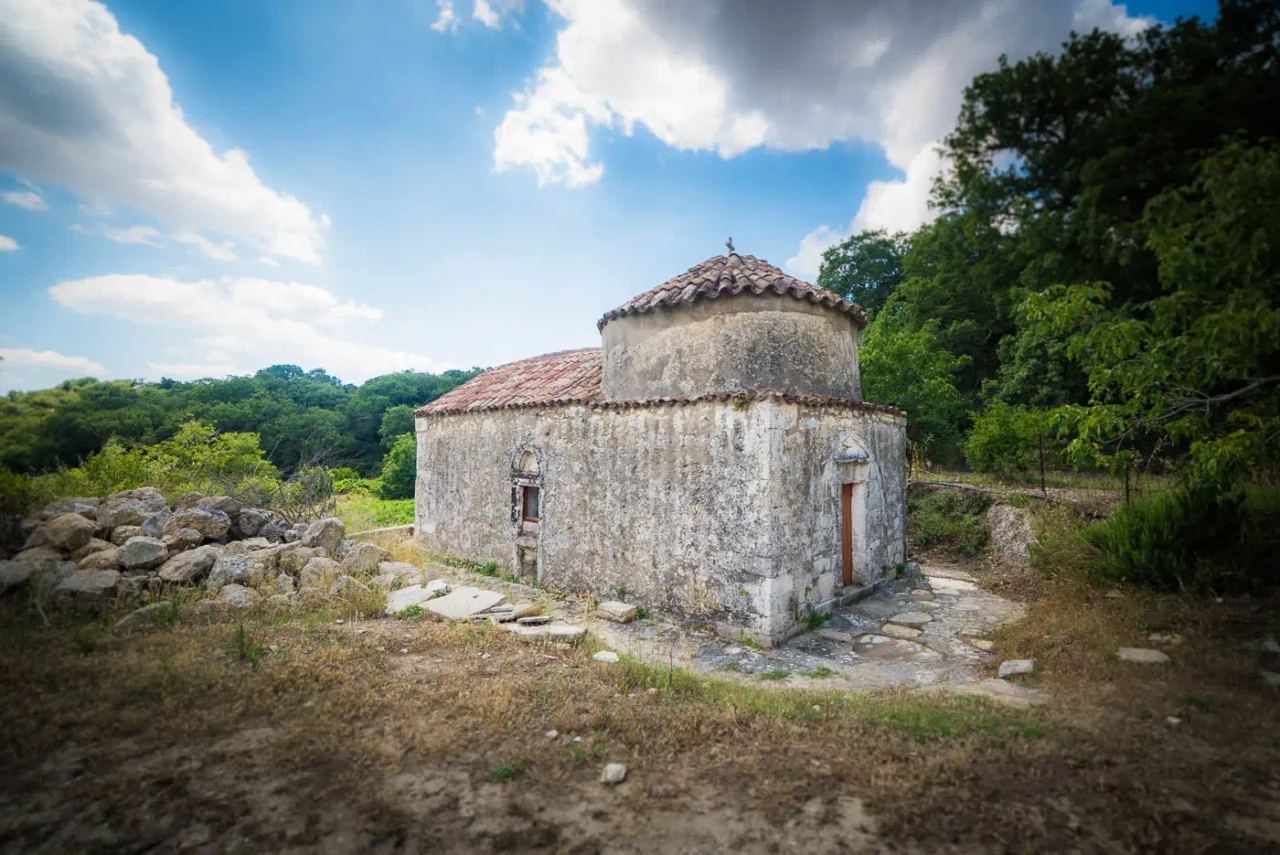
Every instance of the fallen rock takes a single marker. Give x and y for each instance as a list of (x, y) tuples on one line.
[(294, 534), (894, 631), (225, 504), (325, 534), (102, 559), (121, 534), (147, 617), (210, 522), (120, 509), (616, 611), (911, 619), (318, 572), (525, 610), (188, 500), (1011, 534), (94, 545), (407, 573), (39, 537), (87, 588), (273, 530), (1141, 656), (69, 532), (14, 575), (1170, 638), (153, 526), (981, 643), (834, 635), (438, 587), (398, 601), (187, 567), (605, 656), (182, 539), (252, 520), (253, 544), (292, 557), (1015, 668), (554, 630), (348, 586), (238, 596), (385, 582), (142, 553), (363, 557), (614, 773), (235, 570), (285, 584)]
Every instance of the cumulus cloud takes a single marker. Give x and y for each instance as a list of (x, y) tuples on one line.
[(88, 107), (8, 244), (217, 251), (244, 321), (28, 199), (142, 235), (725, 76), (447, 21), (80, 365), (490, 12)]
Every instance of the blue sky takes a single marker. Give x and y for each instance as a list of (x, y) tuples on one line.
[(429, 184)]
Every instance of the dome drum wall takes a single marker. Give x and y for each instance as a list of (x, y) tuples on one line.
[(732, 344)]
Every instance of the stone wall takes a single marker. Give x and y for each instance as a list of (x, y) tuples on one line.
[(732, 344), (721, 512)]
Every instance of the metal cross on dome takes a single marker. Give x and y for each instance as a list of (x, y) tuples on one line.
[(729, 243)]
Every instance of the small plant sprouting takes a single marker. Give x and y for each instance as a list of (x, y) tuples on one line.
[(413, 612), (729, 666), (641, 613), (246, 647), (775, 674), (742, 401), (488, 568), (815, 620), (819, 673), (504, 772)]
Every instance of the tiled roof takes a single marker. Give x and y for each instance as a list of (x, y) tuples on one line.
[(723, 276), (566, 377)]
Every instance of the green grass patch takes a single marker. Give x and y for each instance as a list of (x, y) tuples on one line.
[(776, 674), (359, 513), (815, 620), (245, 646), (819, 673)]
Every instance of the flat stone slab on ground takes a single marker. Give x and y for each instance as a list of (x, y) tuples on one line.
[(464, 603), (948, 585), (558, 629), (923, 595), (911, 619), (894, 631), (980, 643), (414, 595), (1141, 655), (834, 635), (616, 611), (1016, 668), (881, 648), (1007, 694)]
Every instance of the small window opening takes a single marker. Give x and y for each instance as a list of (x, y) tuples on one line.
[(529, 502)]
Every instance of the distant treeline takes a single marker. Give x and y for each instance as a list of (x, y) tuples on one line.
[(302, 418)]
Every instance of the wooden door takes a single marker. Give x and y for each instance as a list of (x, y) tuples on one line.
[(846, 532)]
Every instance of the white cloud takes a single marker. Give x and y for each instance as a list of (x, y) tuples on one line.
[(28, 199), (86, 106), (142, 235), (82, 365), (244, 322), (722, 76), (447, 21), (490, 12), (219, 252), (8, 244), (268, 261)]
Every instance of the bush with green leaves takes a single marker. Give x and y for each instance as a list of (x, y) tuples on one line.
[(1007, 439), (399, 469), (947, 519), (1192, 541)]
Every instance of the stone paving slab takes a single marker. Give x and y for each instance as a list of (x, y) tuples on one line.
[(464, 603)]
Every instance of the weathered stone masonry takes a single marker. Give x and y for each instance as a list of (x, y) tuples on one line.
[(724, 505)]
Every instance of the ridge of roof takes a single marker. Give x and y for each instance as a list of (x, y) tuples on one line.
[(722, 276)]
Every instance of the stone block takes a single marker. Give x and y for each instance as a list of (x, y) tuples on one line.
[(616, 611)]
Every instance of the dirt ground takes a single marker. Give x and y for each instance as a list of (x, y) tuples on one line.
[(301, 734)]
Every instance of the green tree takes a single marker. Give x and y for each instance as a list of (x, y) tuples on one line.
[(399, 469), (396, 421), (907, 368), (1195, 372), (864, 268)]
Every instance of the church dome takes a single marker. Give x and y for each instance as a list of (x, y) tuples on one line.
[(733, 323)]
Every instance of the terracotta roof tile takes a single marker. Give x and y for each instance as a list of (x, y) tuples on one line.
[(566, 377), (724, 276)]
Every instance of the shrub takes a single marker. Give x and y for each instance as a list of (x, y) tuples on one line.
[(947, 519), (399, 469), (1192, 541), (1006, 440), (348, 482)]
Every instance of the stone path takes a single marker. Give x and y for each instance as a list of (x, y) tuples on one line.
[(932, 631)]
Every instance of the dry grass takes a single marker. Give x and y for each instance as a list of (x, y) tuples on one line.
[(335, 739)]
